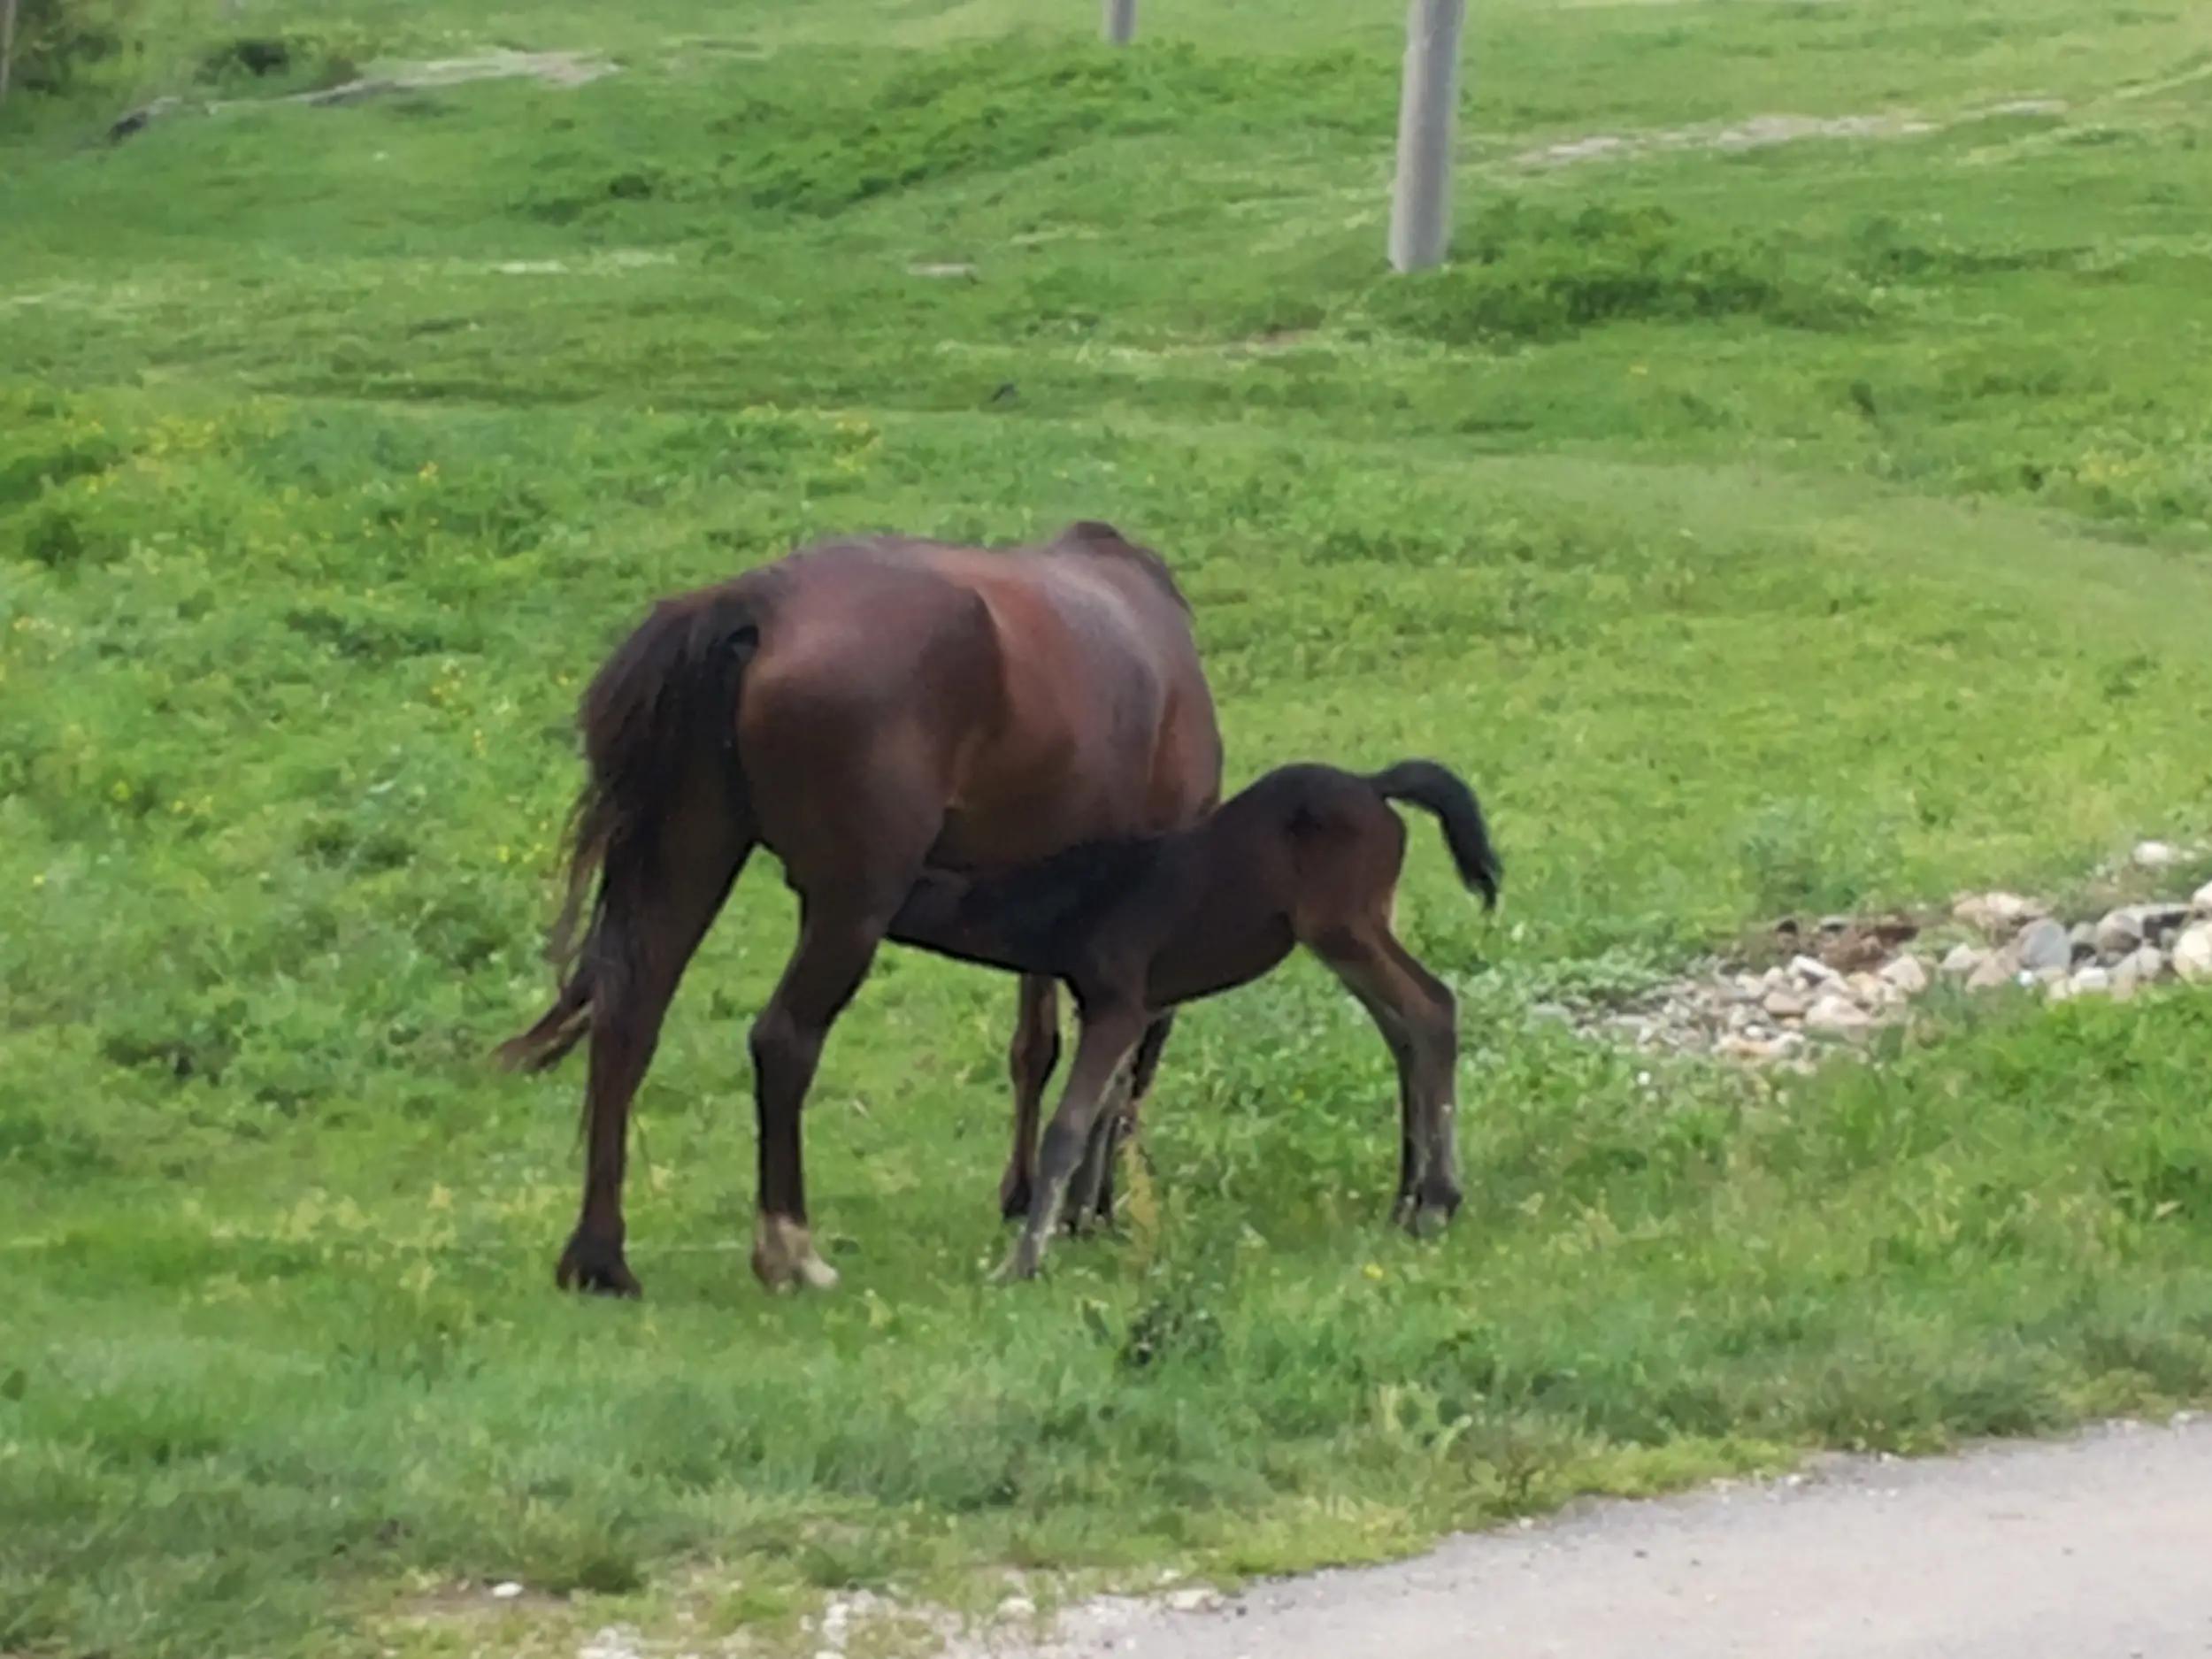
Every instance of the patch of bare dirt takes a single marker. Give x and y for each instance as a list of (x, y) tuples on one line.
[(1764, 132), (556, 69)]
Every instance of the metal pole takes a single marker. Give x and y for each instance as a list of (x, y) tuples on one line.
[(1118, 21), (1421, 204), (7, 43)]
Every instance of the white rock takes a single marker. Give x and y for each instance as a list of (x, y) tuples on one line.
[(1016, 1607), (2154, 855), (1962, 960), (2150, 965), (2120, 931), (2127, 978), (1994, 969), (506, 1591), (2192, 955), (1907, 974), (2045, 944), (2090, 982), (1786, 1004), (1813, 971), (1871, 990), (1196, 1599), (2058, 990), (1995, 912), (1837, 1015), (2200, 904)]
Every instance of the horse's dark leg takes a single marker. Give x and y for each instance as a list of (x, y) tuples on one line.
[(653, 918), (1102, 1046), (1035, 1050), (1415, 1012), (838, 937), (1091, 1193), (1433, 1028)]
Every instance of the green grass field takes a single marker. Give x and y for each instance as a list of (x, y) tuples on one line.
[(1813, 524)]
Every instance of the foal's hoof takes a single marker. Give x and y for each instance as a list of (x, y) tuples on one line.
[(1021, 1263), (595, 1269), (1426, 1215), (784, 1257)]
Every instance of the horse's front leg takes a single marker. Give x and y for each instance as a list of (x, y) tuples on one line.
[(1108, 1034)]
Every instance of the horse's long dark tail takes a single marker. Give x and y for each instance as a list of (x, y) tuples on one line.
[(1438, 790), (659, 728)]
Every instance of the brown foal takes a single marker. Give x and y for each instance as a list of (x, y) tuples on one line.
[(861, 708), (1307, 855)]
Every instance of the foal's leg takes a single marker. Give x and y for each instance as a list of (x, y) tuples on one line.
[(1415, 1013), (1412, 1132), (1091, 1193), (1102, 1047), (1090, 1189), (653, 916), (1035, 1050), (1437, 1030)]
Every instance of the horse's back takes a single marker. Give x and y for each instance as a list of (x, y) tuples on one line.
[(1109, 727), (1031, 698)]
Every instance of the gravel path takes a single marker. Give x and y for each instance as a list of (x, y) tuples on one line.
[(2095, 1547)]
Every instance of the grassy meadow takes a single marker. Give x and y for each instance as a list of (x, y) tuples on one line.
[(1763, 527)]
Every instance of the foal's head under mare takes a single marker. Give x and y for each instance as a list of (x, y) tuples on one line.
[(1308, 855)]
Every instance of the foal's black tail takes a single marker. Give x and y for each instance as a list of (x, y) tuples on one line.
[(659, 728), (1438, 790)]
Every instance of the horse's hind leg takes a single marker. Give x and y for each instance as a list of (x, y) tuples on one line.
[(1415, 1013), (1034, 1051), (838, 937), (654, 914)]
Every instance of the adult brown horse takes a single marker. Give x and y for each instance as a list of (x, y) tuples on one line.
[(862, 709)]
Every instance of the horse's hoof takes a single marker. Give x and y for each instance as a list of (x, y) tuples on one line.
[(595, 1270), (784, 1257), (1013, 1197), (1021, 1264)]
